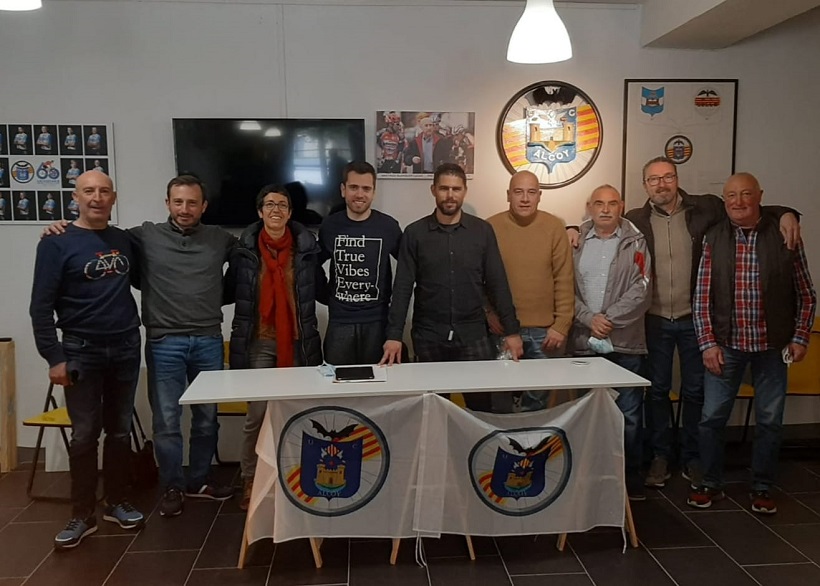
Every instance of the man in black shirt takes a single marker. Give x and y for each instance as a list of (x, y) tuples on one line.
[(452, 258), (359, 242), (85, 277)]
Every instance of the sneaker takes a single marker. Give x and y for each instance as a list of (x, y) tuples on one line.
[(74, 532), (763, 503), (171, 503), (247, 491), (702, 497), (693, 474), (211, 492), (124, 515), (658, 473)]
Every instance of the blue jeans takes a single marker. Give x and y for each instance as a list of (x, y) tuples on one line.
[(630, 402), (105, 372), (662, 336), (173, 362), (533, 339), (769, 377)]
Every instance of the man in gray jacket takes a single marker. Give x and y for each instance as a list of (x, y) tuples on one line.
[(611, 297)]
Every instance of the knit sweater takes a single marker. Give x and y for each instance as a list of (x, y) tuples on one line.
[(538, 261)]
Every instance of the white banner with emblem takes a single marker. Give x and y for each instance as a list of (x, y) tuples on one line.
[(554, 471), (337, 471)]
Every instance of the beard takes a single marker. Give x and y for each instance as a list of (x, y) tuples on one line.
[(448, 207)]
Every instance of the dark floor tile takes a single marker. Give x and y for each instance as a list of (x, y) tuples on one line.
[(187, 531), (603, 558), (23, 547), (246, 577), (293, 563), (13, 488), (87, 565), (487, 571), (11, 581), (659, 523), (794, 477), (530, 554), (45, 511), (55, 484), (450, 545), (9, 513), (797, 575), (370, 564), (553, 580), (25, 458), (811, 500), (790, 509), (221, 549), (806, 538), (166, 568), (707, 566), (376, 552), (745, 539)]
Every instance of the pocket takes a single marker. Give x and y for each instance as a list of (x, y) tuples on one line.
[(157, 340), (70, 342), (132, 340)]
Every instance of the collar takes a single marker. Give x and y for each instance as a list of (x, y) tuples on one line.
[(433, 224), (184, 231), (618, 233)]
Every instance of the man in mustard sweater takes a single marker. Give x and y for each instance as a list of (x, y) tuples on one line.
[(538, 261)]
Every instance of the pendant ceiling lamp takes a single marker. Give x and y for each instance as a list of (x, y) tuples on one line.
[(20, 4), (540, 36)]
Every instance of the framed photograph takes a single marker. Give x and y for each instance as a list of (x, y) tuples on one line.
[(42, 162), (552, 129), (412, 143), (691, 121)]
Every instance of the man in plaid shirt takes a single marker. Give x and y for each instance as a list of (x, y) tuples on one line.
[(754, 304)]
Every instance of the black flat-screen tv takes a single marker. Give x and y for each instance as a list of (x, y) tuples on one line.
[(235, 158)]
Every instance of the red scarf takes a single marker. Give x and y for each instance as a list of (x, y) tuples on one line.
[(273, 293)]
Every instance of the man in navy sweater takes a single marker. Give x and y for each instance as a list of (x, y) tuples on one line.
[(85, 277)]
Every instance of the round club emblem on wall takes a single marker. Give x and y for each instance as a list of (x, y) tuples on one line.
[(551, 128)]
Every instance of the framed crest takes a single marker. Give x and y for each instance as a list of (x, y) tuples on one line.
[(551, 128), (690, 121)]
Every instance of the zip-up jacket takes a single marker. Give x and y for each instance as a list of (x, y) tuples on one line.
[(242, 279), (627, 295)]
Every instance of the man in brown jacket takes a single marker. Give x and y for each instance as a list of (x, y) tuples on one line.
[(538, 261)]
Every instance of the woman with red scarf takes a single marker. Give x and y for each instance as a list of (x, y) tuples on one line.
[(273, 274)]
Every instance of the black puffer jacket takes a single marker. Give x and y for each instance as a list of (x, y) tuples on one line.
[(242, 283)]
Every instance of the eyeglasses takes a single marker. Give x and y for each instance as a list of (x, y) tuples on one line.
[(282, 206), (655, 180)]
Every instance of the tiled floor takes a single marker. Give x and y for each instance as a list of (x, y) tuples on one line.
[(727, 545)]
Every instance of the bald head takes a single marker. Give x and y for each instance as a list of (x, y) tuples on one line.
[(524, 195), (95, 196), (741, 197), (94, 177)]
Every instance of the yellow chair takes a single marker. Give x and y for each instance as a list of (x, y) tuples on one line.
[(57, 417), (51, 417), (804, 378)]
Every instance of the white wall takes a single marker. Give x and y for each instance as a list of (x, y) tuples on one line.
[(139, 64)]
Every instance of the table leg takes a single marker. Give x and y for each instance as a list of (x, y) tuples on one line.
[(630, 525), (470, 549), (243, 551), (394, 554), (315, 544), (562, 542)]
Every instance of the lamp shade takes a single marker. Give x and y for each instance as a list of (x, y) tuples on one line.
[(540, 36), (20, 4)]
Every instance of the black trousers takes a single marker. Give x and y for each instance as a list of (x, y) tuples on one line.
[(354, 343)]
